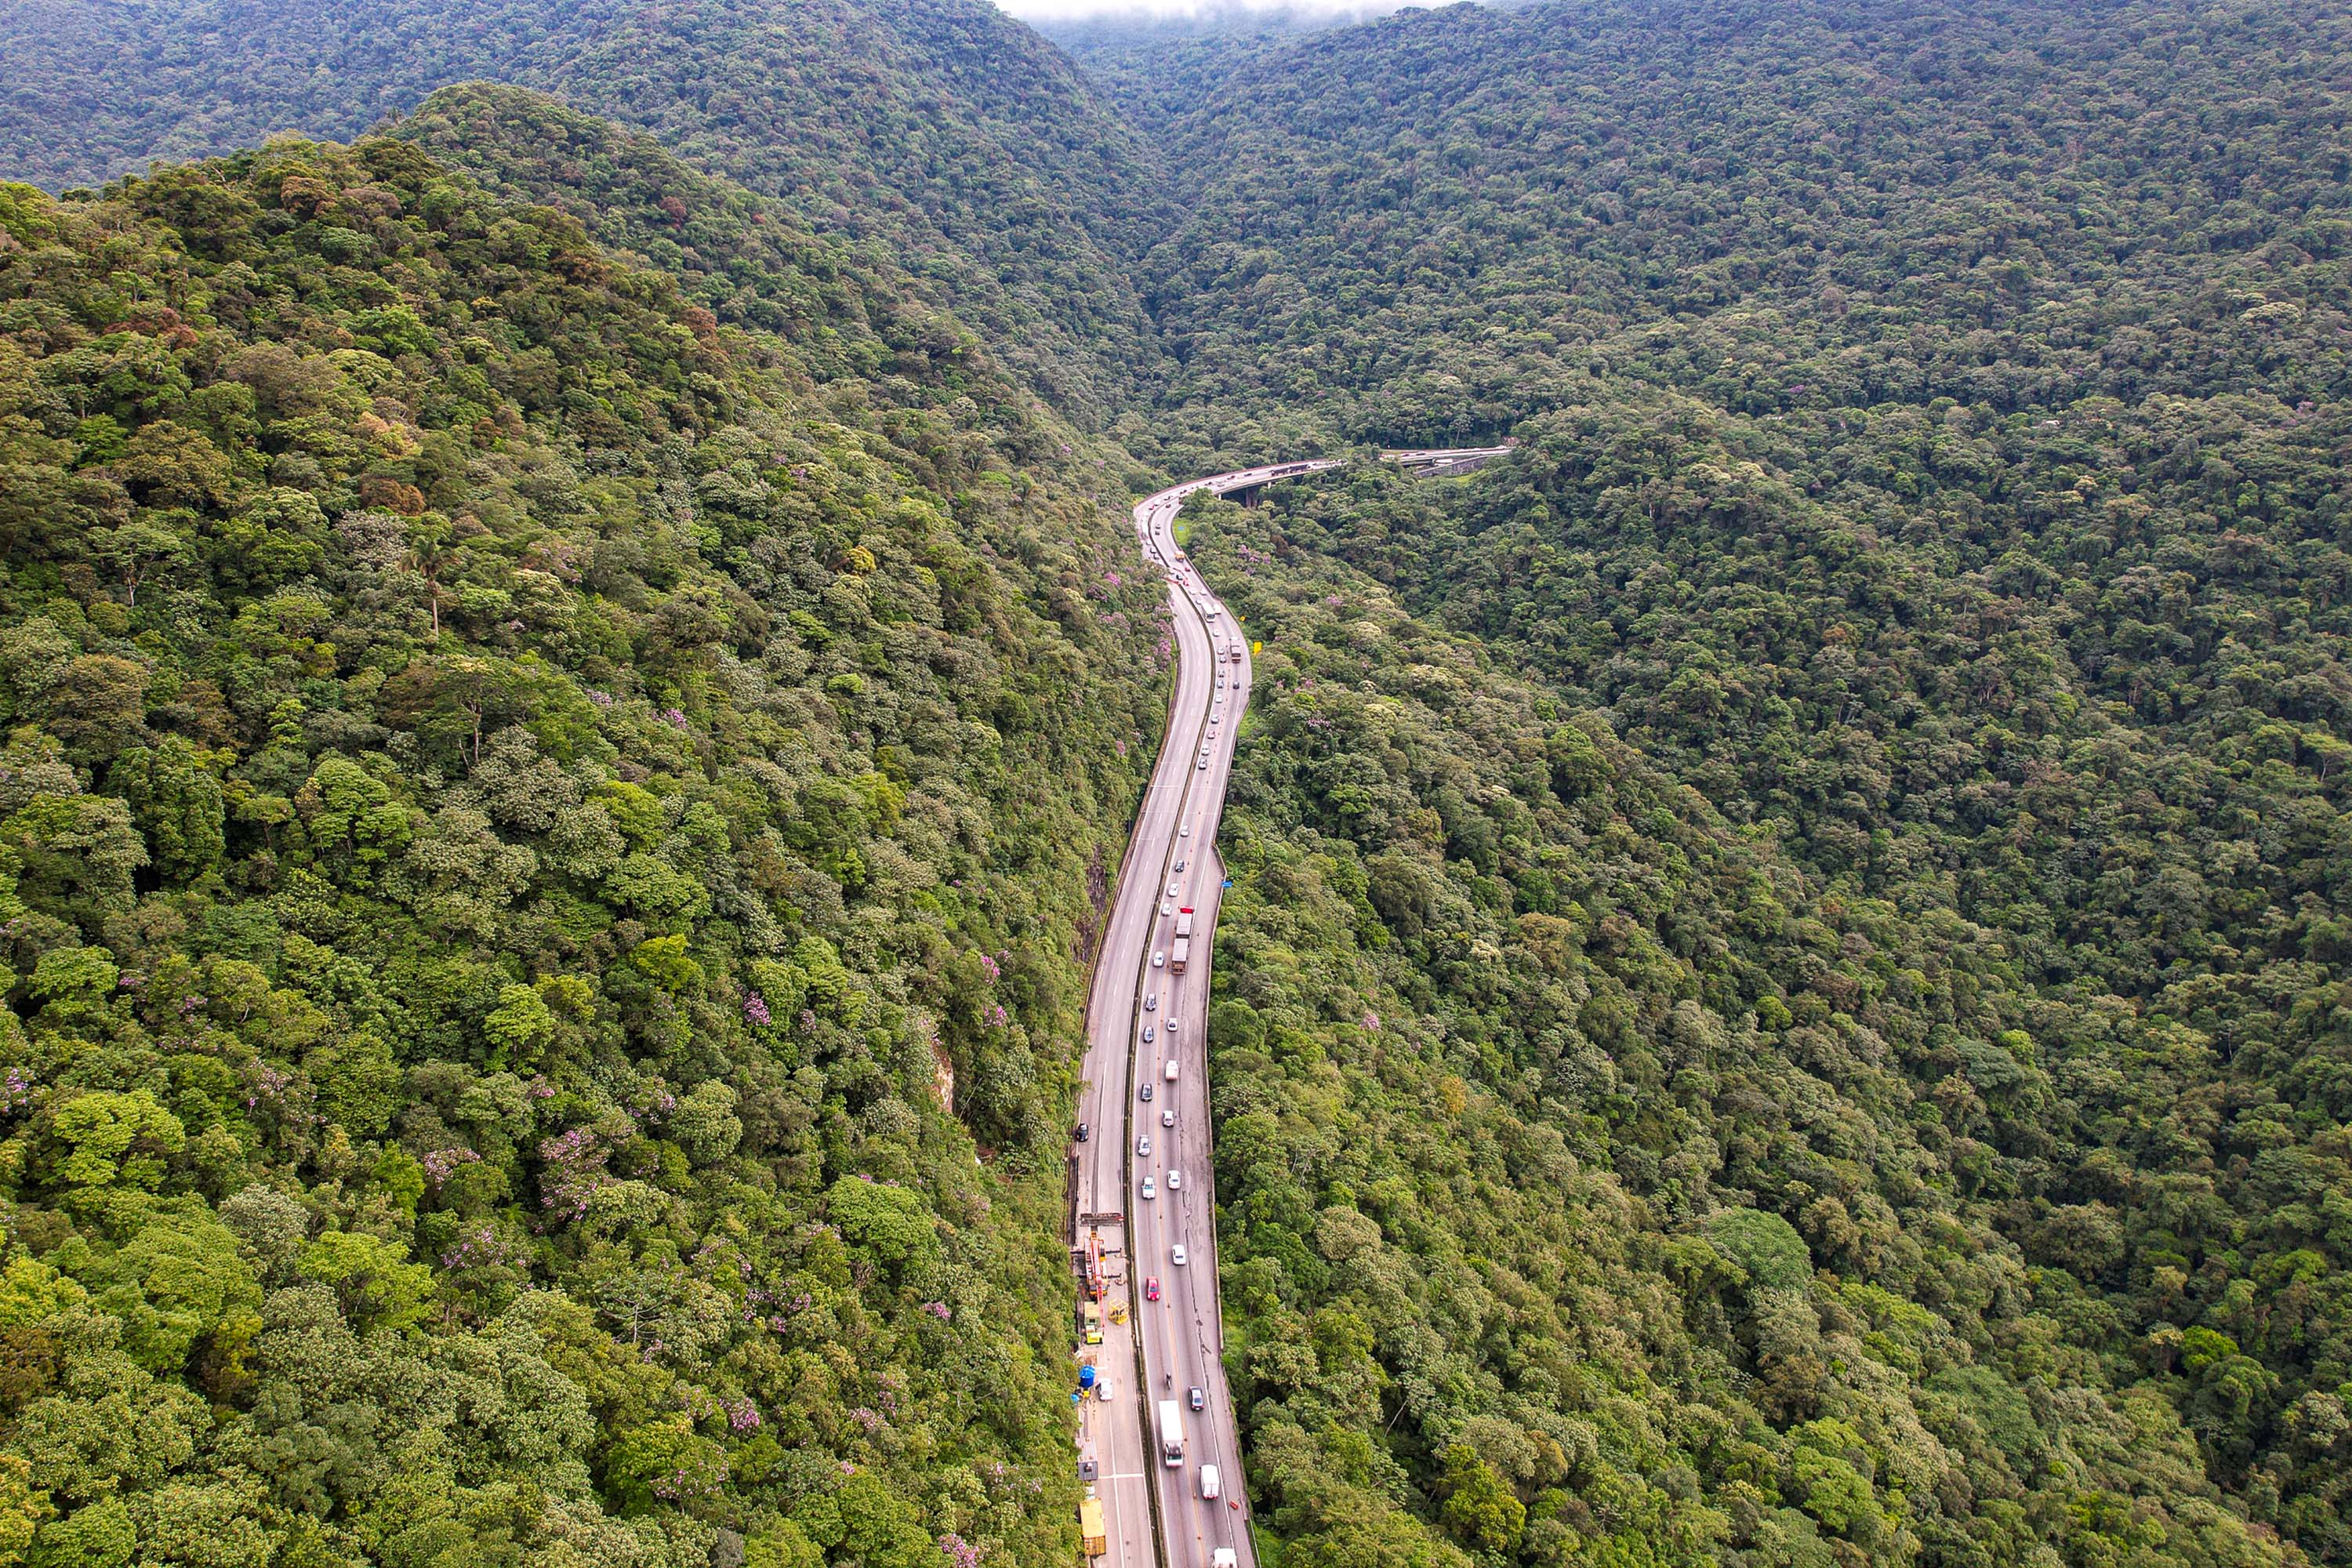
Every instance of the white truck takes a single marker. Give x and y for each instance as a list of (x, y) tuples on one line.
[(1171, 1434)]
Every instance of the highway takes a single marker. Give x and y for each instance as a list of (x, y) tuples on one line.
[(1154, 1513)]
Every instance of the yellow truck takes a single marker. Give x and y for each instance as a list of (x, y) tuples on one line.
[(1093, 1323), (1091, 1534)]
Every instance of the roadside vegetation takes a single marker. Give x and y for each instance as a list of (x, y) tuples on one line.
[(541, 832), (569, 687)]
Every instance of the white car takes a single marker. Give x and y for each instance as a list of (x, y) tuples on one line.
[(1149, 1190), (1180, 863), (1171, 1025), (1147, 1035), (1158, 961), (1167, 907), (1168, 1119), (1176, 1255), (1175, 1178), (1172, 890), (1143, 1146), (1185, 831), (1151, 1001)]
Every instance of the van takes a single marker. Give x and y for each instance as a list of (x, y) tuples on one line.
[(1171, 1069), (1209, 1483)]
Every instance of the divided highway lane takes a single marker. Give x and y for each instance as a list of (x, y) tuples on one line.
[(1166, 1347)]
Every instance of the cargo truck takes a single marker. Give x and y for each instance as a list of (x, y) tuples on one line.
[(1180, 954), (1091, 1534), (1185, 922), (1171, 1434)]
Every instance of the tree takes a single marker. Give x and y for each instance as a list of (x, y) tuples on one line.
[(115, 1140), (176, 804), (177, 1280), (1479, 1510)]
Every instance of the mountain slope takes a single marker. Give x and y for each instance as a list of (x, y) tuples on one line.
[(1932, 420), (1599, 1183), (1429, 226), (944, 132), (541, 833)]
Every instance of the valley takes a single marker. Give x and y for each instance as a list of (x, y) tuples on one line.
[(1721, 838)]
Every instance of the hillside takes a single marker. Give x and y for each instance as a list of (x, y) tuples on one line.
[(1157, 69), (1933, 466), (1603, 1184), (1432, 226), (541, 833), (571, 677), (952, 137)]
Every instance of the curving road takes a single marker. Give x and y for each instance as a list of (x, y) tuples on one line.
[(1164, 1349)]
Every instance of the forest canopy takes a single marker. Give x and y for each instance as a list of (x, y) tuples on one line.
[(541, 830), (572, 689), (941, 131)]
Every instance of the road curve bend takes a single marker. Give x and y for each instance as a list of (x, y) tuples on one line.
[(1162, 1329)]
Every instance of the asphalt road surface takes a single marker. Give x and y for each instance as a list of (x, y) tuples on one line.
[(1165, 1349)]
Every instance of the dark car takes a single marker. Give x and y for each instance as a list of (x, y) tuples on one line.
[(1200, 1399), (1084, 1132), (1147, 1091)]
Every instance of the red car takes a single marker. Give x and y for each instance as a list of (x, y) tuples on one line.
[(1151, 1289)]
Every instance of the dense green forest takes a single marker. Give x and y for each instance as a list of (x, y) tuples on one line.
[(1601, 1184), (1932, 514), (1157, 68), (570, 692), (1431, 226), (949, 136), (540, 832)]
